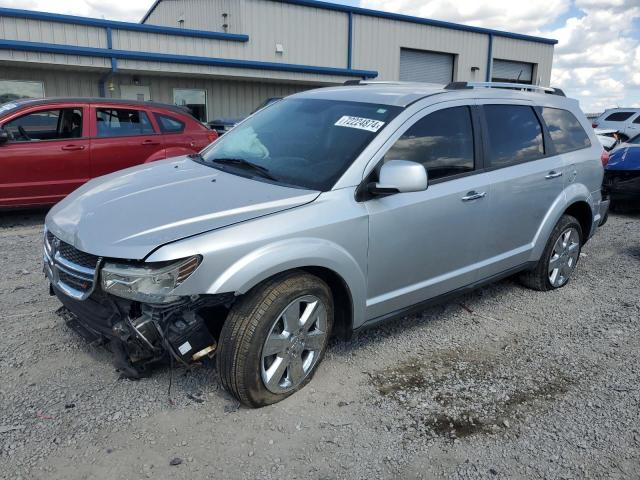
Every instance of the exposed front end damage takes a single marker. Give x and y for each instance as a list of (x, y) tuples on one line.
[(139, 334)]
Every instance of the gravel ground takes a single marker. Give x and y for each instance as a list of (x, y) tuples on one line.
[(502, 383)]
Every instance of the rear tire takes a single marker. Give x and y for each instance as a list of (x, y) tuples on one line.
[(274, 338), (559, 258)]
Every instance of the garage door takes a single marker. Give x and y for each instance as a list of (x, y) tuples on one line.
[(421, 66), (509, 71)]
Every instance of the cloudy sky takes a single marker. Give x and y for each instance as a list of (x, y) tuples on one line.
[(597, 59)]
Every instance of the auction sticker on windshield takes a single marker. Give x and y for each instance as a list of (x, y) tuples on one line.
[(360, 123)]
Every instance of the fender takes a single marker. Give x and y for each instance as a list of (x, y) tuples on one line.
[(575, 192), (284, 255)]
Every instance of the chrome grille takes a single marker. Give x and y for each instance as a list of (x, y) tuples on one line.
[(69, 269)]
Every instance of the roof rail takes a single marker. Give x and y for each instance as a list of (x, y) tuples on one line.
[(381, 82), (506, 85)]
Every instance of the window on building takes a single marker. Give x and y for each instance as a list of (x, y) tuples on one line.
[(619, 117), (117, 122), (169, 124), (46, 125), (193, 99), (442, 141), (566, 132), (515, 135), (15, 89)]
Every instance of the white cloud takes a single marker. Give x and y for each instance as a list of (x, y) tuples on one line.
[(596, 57), (128, 10)]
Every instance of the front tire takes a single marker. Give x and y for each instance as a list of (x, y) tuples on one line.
[(274, 338), (559, 259)]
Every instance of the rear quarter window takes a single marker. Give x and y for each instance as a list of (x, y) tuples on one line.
[(169, 124), (515, 135), (565, 130), (619, 116)]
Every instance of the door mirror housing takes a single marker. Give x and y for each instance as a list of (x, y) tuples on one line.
[(400, 176), (4, 136)]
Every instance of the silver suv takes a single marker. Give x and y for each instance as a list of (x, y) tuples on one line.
[(328, 212)]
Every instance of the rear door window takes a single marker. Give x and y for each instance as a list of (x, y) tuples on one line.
[(565, 130), (118, 122), (52, 124), (514, 135), (442, 141), (169, 124), (619, 116)]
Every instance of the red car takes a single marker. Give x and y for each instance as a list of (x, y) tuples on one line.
[(49, 147)]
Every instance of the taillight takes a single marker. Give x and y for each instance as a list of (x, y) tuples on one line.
[(594, 125), (212, 136), (604, 158)]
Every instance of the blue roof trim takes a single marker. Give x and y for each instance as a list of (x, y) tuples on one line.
[(116, 25), (183, 59), (399, 17)]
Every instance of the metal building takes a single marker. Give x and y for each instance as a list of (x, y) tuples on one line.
[(224, 57)]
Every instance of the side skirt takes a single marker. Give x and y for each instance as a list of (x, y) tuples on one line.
[(403, 312)]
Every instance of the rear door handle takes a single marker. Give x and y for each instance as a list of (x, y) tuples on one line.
[(150, 142), (473, 195), (73, 147), (553, 174)]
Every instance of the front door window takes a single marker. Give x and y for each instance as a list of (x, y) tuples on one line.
[(195, 100), (42, 125)]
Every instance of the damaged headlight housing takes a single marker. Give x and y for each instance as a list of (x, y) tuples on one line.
[(147, 283)]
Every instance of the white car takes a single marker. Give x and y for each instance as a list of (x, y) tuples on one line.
[(624, 120)]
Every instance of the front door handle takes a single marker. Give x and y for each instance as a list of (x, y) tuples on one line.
[(73, 147), (553, 174), (150, 142), (473, 195)]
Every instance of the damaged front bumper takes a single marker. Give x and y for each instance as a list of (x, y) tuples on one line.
[(139, 334)]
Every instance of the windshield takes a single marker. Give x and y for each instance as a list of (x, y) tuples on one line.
[(307, 143)]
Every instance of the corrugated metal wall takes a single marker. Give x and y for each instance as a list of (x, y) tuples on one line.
[(309, 36), (532, 52), (225, 98), (377, 43), (319, 37), (57, 83)]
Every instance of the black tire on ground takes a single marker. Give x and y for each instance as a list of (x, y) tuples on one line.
[(247, 326), (538, 278)]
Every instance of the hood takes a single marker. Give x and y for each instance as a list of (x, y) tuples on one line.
[(128, 214)]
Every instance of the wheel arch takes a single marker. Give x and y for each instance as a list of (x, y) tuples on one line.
[(582, 212), (327, 260)]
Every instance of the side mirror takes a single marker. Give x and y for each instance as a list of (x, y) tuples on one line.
[(400, 176), (4, 136)]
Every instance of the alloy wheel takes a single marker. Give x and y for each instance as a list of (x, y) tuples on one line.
[(564, 257), (294, 344)]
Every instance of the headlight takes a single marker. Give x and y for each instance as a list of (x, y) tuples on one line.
[(150, 283)]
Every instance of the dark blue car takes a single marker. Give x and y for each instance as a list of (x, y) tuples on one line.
[(622, 173)]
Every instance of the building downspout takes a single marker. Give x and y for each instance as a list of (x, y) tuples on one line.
[(349, 40), (489, 59), (114, 67)]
